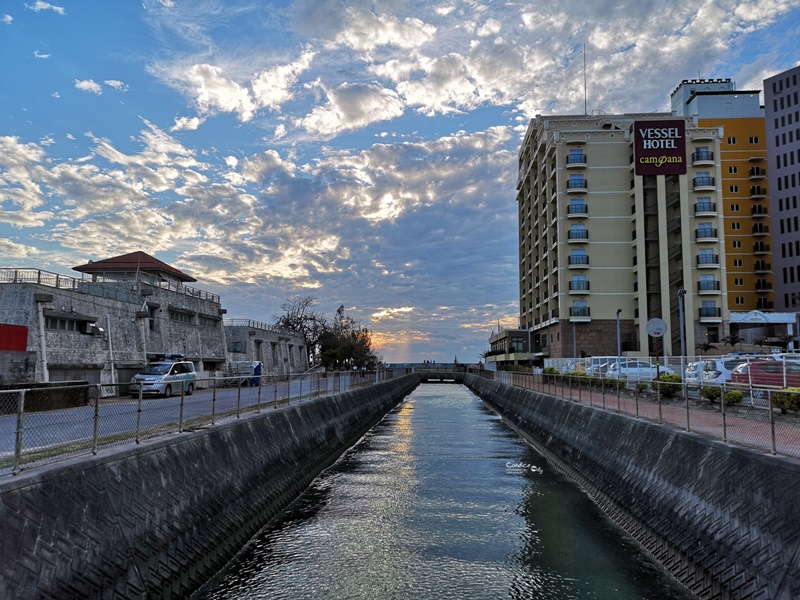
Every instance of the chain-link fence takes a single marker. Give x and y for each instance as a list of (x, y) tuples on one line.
[(40, 425), (760, 417)]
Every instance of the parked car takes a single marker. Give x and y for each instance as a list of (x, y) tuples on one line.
[(768, 373), (694, 373), (717, 371), (165, 377), (636, 370)]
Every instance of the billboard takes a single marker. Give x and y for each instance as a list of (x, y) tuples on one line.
[(659, 147)]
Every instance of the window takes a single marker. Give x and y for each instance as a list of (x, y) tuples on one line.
[(736, 244), (734, 207), (734, 189), (577, 206), (738, 281), (736, 226), (579, 283), (578, 232), (576, 157), (732, 141), (733, 170), (576, 182), (753, 139), (739, 300), (179, 316), (737, 262)]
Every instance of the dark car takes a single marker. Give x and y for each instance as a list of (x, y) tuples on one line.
[(773, 373)]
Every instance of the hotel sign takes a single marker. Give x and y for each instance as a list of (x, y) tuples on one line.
[(659, 147)]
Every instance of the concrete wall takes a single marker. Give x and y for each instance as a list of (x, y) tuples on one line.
[(159, 519), (723, 519)]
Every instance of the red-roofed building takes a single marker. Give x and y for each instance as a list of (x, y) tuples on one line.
[(131, 266)]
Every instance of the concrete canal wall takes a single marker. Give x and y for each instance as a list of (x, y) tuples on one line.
[(159, 519), (724, 520)]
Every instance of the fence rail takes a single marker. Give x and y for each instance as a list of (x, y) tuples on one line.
[(758, 421), (33, 432)]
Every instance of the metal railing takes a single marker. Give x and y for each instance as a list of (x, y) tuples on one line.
[(760, 417), (39, 426)]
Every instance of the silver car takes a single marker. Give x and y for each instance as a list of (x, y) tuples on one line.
[(165, 378), (636, 370)]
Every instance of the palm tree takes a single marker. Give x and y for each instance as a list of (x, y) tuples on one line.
[(704, 347), (732, 340)]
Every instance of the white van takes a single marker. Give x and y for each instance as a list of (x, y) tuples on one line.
[(165, 377)]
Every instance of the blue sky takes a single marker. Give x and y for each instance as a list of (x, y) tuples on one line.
[(362, 152)]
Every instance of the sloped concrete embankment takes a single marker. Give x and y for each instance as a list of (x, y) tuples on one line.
[(159, 519), (723, 520)]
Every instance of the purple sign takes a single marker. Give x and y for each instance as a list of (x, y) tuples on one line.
[(659, 147)]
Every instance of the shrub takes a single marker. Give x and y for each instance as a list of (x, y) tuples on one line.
[(733, 397), (788, 399), (711, 393), (641, 386), (668, 385), (550, 371)]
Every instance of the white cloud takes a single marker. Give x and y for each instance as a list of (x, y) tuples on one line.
[(213, 91), (187, 123), (272, 87), (55, 95), (116, 84), (39, 5), (88, 85), (6, 19), (352, 106)]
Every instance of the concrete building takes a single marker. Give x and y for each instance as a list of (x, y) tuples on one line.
[(280, 352), (617, 214), (743, 175), (122, 312), (782, 108), (509, 348)]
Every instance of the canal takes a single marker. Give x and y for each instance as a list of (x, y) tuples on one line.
[(442, 500)]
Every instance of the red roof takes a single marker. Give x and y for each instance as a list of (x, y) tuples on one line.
[(135, 261)]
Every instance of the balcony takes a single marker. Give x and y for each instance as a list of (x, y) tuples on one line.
[(763, 285), (706, 234), (760, 229), (710, 314), (703, 183), (578, 287), (577, 211), (757, 191), (706, 209), (702, 157), (577, 186), (758, 211), (761, 248), (762, 304), (762, 266), (708, 287), (757, 173), (580, 236), (576, 160), (708, 261), (579, 314), (578, 262)]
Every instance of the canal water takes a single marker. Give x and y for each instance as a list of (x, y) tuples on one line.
[(442, 500)]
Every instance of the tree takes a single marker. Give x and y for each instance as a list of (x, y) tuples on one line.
[(347, 344), (300, 317), (704, 347), (732, 340)]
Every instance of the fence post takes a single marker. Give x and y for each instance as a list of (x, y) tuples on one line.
[(238, 397), (771, 421), (686, 398), (20, 425), (180, 418), (258, 397), (96, 432), (724, 418), (213, 400), (139, 414)]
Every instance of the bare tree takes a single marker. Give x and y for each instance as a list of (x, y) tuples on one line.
[(300, 317)]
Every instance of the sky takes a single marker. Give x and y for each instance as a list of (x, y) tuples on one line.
[(360, 152)]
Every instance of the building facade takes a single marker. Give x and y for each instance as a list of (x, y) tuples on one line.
[(617, 215), (782, 111), (121, 313)]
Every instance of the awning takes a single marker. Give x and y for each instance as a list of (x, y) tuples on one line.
[(756, 317)]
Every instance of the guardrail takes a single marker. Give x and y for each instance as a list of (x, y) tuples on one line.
[(33, 433), (761, 418)]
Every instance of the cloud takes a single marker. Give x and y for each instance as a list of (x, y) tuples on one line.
[(15, 250), (116, 84), (87, 85), (38, 54), (39, 6), (6, 19), (352, 106), (187, 123), (213, 91)]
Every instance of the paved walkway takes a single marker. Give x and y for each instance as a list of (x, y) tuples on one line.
[(747, 425)]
